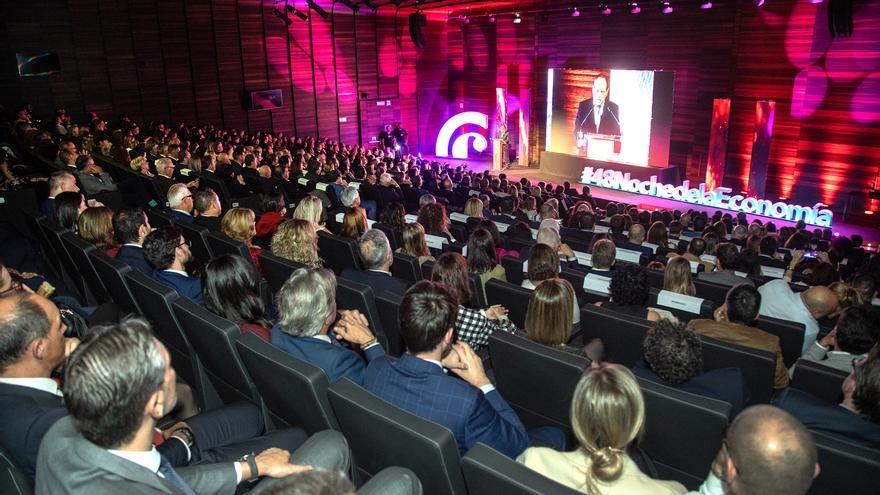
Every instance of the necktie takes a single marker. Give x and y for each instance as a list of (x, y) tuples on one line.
[(171, 476), (598, 116)]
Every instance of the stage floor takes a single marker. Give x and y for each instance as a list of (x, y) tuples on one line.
[(871, 235)]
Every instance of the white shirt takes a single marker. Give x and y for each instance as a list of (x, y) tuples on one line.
[(779, 301), (151, 460), (179, 272), (326, 338), (597, 115), (43, 384)]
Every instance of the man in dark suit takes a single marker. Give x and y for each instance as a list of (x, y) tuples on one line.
[(636, 238), (131, 226), (391, 192), (207, 204), (596, 115), (378, 258), (87, 453), (181, 202), (92, 177), (164, 174), (856, 419), (30, 402), (307, 307), (168, 252), (59, 182), (471, 408)]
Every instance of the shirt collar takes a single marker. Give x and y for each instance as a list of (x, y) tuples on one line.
[(133, 244), (381, 271), (323, 337), (179, 272), (181, 211), (149, 459), (43, 384)]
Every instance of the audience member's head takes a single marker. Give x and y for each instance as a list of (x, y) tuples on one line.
[(414, 240), (616, 224), (394, 216), (629, 285), (68, 207), (433, 218), (854, 330), (375, 250), (820, 301), (658, 234), (354, 223), (451, 270), (861, 389), (637, 233), (350, 197), (473, 208), (427, 318), (310, 208), (95, 225), (179, 198), (604, 253), (165, 248), (549, 317), (130, 225), (543, 263), (239, 224), (678, 277), (548, 236), (697, 246), (726, 257), (741, 304), (62, 181), (297, 241), (231, 289), (31, 334), (481, 254), (307, 302), (673, 352), (206, 203)]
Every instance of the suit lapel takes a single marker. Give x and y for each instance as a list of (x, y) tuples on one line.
[(101, 459)]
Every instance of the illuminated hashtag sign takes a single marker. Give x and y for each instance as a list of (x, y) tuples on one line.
[(718, 198), (460, 145)]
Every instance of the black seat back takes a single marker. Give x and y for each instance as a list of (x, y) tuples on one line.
[(352, 295), (13, 481), (713, 292), (79, 250), (220, 244), (622, 335), (112, 273), (513, 268), (382, 435), (758, 366), (819, 380), (33, 225), (295, 392), (338, 253), (277, 269), (513, 297), (158, 218), (488, 471), (790, 333), (53, 233), (388, 305), (406, 267), (844, 467), (523, 369), (197, 236), (683, 432)]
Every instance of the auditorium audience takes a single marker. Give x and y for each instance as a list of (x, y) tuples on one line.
[(168, 252), (239, 224), (629, 292), (433, 218), (95, 226), (232, 290), (377, 259), (849, 341), (413, 235), (131, 226), (297, 241), (209, 211), (677, 277), (726, 260)]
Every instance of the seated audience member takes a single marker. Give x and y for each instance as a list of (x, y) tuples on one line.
[(726, 258), (350, 198), (603, 257), (865, 287), (658, 235), (543, 266), (68, 207), (181, 202), (117, 385), (471, 326), (207, 204), (306, 310), (59, 182), (92, 177), (232, 290), (483, 258), (496, 238), (849, 341), (673, 356), (767, 450), (393, 217), (677, 277), (695, 249), (473, 208), (274, 209), (311, 209), (547, 323), (635, 239), (239, 224), (297, 241), (857, 418), (607, 415), (432, 217), (168, 252), (414, 243), (779, 301), (734, 322), (130, 225), (164, 174), (378, 258), (354, 223), (95, 226), (471, 407), (30, 400), (629, 292)]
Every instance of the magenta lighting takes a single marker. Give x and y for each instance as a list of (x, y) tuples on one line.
[(706, 5), (758, 3), (517, 18), (815, 1), (634, 8), (606, 10), (667, 8), (575, 12), (492, 19)]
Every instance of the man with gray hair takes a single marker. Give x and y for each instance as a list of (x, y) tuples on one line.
[(181, 202), (164, 173), (389, 189), (377, 258), (307, 309)]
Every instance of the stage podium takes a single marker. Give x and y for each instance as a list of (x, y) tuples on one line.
[(499, 156), (599, 146)]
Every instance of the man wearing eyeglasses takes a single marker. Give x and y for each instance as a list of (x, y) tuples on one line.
[(181, 202), (857, 417), (169, 252)]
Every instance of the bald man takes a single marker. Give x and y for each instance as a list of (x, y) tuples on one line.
[(767, 450), (779, 301), (597, 115), (635, 239)]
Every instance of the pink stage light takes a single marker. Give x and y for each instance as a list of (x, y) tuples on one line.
[(634, 8), (667, 8), (706, 5), (575, 12), (606, 10)]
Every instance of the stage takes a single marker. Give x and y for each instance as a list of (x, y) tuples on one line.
[(562, 167)]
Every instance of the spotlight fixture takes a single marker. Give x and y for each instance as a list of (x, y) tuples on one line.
[(758, 3), (667, 8), (370, 5), (634, 8), (517, 18), (317, 8), (464, 19), (492, 19), (283, 16), (605, 9), (815, 1), (348, 3), (295, 11), (575, 12), (706, 5)]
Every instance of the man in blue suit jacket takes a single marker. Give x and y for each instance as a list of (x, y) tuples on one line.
[(181, 202), (168, 252), (856, 419), (307, 308), (417, 382), (59, 182), (378, 258), (131, 227)]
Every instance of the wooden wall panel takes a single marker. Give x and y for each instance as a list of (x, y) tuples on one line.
[(303, 78), (345, 71), (278, 69), (148, 58), (175, 53), (90, 56), (203, 57), (253, 57), (387, 43), (367, 55), (229, 63), (121, 67), (323, 71)]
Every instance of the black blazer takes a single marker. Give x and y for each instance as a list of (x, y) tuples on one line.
[(832, 419), (377, 280), (210, 223), (134, 257), (586, 121), (26, 415)]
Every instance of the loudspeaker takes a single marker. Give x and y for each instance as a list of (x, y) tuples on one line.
[(416, 22), (840, 18)]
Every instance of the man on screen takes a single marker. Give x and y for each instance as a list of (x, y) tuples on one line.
[(597, 115)]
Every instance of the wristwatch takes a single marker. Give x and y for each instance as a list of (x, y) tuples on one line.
[(251, 461), (184, 434)]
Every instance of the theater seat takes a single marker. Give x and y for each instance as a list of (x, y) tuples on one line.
[(79, 250), (382, 435), (352, 295), (13, 481), (488, 471), (844, 467), (622, 335), (159, 218), (536, 380), (112, 273), (33, 225), (388, 306), (338, 253), (406, 267), (295, 392), (790, 333), (73, 277), (513, 297), (683, 432), (818, 380), (277, 269), (684, 307), (197, 236), (713, 292), (758, 367), (513, 268), (221, 244)]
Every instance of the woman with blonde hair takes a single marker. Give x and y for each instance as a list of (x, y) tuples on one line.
[(296, 240), (678, 277), (95, 225), (239, 224), (354, 223), (607, 415), (311, 209), (473, 208), (414, 243)]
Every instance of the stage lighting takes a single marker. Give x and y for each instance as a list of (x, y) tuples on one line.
[(758, 3), (464, 19), (317, 8), (299, 13), (815, 1), (517, 18), (492, 19), (706, 5), (605, 9), (281, 15), (348, 3), (634, 8), (575, 12), (667, 8), (370, 5)]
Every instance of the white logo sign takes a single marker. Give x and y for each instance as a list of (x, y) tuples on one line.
[(719, 198), (460, 145)]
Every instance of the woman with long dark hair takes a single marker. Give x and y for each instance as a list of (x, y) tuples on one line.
[(68, 206), (231, 290)]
